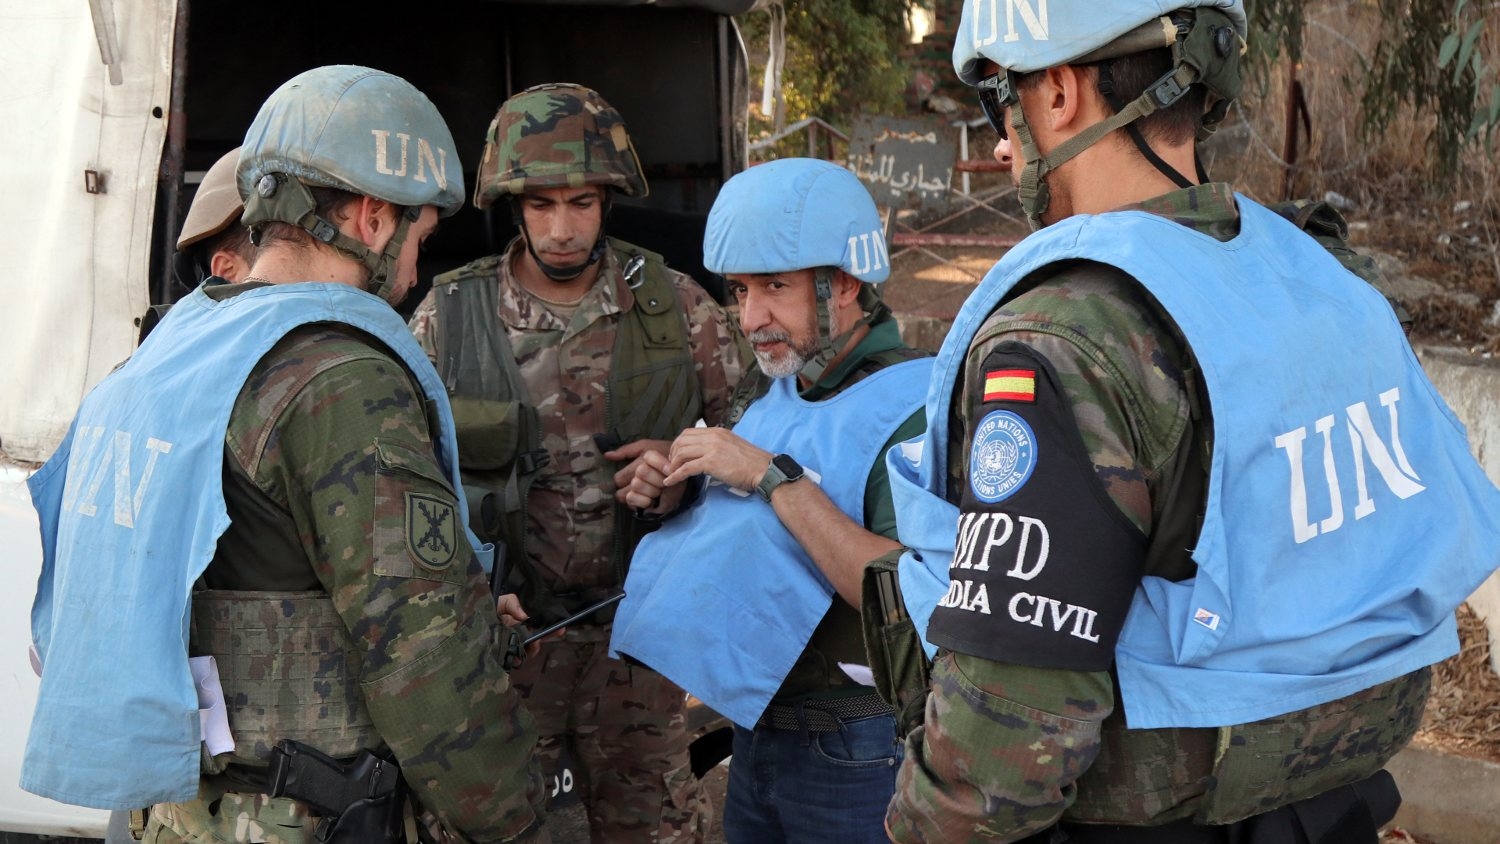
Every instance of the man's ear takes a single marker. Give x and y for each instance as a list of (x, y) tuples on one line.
[(1066, 94), (373, 221), (228, 265), (845, 288)]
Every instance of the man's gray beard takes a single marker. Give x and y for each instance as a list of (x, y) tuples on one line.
[(786, 365)]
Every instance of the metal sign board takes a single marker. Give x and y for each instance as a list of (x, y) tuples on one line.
[(905, 163)]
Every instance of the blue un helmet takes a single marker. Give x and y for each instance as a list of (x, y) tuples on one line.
[(798, 214), (1206, 37), (358, 130)]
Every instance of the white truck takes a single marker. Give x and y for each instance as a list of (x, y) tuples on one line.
[(110, 110)]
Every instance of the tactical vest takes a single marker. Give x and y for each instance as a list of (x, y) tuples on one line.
[(817, 670), (288, 669), (652, 394), (723, 599), (131, 508)]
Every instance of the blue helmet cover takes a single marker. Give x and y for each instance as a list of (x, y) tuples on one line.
[(796, 214), (1028, 35), (359, 130)]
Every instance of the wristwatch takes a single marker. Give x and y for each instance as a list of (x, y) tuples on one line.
[(783, 470)]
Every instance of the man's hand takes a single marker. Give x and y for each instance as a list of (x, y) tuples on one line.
[(508, 607), (719, 453), (642, 483)]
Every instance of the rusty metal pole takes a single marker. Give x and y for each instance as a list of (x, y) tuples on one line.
[(1289, 144)]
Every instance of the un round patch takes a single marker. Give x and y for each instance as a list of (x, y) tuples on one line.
[(1002, 457)]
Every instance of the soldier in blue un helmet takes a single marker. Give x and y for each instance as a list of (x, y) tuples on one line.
[(1170, 536), (749, 598), (272, 625)]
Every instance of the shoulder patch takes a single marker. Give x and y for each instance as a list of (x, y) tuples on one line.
[(431, 533), (1010, 385), (1003, 456)]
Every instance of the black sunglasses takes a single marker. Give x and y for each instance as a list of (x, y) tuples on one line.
[(995, 95)]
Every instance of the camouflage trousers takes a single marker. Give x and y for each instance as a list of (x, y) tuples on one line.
[(623, 726), (228, 817)]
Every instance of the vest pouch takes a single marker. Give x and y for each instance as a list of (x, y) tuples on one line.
[(491, 433), (1271, 763), (897, 661), (289, 671)]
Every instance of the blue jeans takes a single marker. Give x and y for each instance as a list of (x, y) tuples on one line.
[(812, 788)]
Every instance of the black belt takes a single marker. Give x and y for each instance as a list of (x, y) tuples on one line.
[(1350, 814), (822, 716)]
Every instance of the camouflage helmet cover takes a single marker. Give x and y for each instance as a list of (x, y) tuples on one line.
[(556, 136), (355, 129)]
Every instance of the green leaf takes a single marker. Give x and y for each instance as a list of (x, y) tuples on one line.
[(1495, 105), (1458, 8), (1450, 46), (1467, 48)]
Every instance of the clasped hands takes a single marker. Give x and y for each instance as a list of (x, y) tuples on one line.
[(653, 479)]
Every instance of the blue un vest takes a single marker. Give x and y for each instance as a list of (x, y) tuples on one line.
[(131, 510), (1345, 520), (722, 599)]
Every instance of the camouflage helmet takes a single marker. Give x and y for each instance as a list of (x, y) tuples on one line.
[(556, 136), (216, 204)]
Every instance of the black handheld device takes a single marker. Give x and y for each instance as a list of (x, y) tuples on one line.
[(577, 616)]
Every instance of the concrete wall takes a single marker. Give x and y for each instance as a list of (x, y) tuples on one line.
[(1472, 387)]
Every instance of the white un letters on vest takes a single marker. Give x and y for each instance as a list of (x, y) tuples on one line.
[(1033, 16), (96, 456), (426, 159), (1389, 461)]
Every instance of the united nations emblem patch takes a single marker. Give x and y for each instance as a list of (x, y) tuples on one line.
[(431, 535), (1002, 457)]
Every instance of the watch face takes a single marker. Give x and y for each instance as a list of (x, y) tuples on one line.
[(789, 467)]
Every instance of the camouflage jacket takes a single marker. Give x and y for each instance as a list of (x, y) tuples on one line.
[(327, 442), (566, 365), (1007, 750)]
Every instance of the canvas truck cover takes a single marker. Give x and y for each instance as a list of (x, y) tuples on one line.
[(74, 263)]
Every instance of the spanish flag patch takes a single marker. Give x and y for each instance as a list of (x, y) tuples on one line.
[(1010, 385)]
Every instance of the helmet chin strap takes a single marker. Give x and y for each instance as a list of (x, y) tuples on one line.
[(551, 271), (279, 198), (1032, 190), (828, 345)]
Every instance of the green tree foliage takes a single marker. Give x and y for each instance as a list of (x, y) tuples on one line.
[(843, 57), (1429, 57)]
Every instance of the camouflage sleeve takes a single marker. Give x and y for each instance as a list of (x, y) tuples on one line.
[(1039, 725), (351, 458), (424, 325), (999, 751), (719, 351)]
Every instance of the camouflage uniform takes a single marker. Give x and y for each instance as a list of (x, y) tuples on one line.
[(1009, 749), (326, 442), (624, 724)]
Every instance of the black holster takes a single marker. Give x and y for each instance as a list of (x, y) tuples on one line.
[(359, 802)]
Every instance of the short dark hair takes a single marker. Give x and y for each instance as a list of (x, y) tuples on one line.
[(1175, 124), (1130, 76), (235, 238), (329, 203)]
